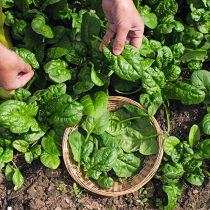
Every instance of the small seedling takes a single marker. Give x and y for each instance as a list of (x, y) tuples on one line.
[(77, 191), (81, 202), (201, 202), (142, 191), (192, 205), (142, 201), (61, 187), (120, 180), (159, 203)]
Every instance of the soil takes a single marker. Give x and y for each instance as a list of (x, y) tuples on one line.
[(46, 189)]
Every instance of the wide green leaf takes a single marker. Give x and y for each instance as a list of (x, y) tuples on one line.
[(50, 161), (17, 179), (194, 135), (52, 145), (18, 116), (184, 92), (58, 70), (96, 125), (95, 105), (20, 145)]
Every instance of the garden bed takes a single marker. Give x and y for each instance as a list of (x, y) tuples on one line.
[(40, 189)]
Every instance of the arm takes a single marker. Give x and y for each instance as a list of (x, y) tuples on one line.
[(124, 21), (14, 72)]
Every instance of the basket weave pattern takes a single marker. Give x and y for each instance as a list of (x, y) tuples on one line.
[(150, 166)]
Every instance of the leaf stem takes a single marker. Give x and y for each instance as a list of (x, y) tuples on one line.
[(128, 93), (148, 137), (101, 40), (14, 164), (167, 116)]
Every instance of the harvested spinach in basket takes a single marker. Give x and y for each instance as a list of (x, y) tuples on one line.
[(111, 145)]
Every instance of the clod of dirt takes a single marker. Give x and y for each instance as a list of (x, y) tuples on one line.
[(150, 188), (36, 204), (53, 173)]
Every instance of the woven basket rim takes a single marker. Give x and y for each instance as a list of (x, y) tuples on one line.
[(65, 147)]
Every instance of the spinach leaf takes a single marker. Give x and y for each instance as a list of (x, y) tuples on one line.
[(203, 149), (96, 125), (206, 124), (81, 147), (21, 94), (77, 51), (58, 70), (9, 171), (51, 144), (106, 140), (90, 26), (169, 144), (17, 179), (20, 145), (127, 165), (95, 105), (173, 192), (105, 182), (64, 112), (149, 19), (7, 155), (149, 147), (103, 160), (127, 65), (200, 79), (196, 177), (172, 72), (164, 57), (38, 25), (184, 92), (50, 161), (151, 102), (173, 170), (182, 153), (59, 49), (27, 56), (58, 31), (118, 122), (194, 135), (18, 116), (190, 166)]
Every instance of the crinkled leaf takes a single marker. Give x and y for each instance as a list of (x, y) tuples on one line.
[(127, 165), (20, 145), (27, 56), (196, 177), (184, 92), (102, 160), (96, 125), (127, 65), (18, 116), (95, 105), (58, 70)]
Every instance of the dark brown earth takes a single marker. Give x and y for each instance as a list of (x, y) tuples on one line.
[(40, 189)]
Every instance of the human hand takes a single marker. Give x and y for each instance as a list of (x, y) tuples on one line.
[(14, 72), (124, 21)]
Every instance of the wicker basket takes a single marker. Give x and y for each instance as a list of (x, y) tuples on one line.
[(150, 166)]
